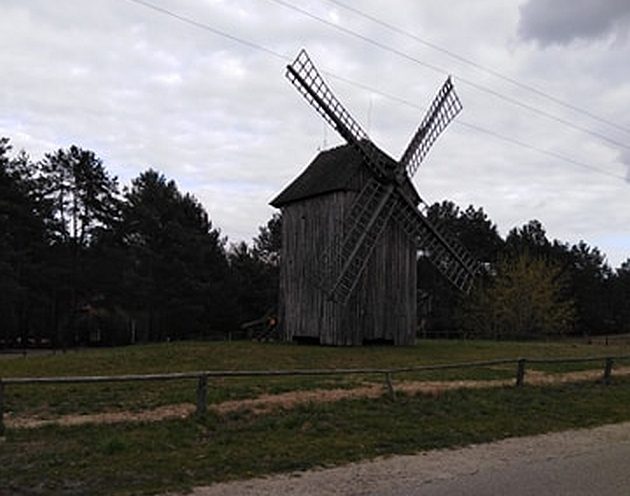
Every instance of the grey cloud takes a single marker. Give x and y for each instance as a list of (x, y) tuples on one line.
[(625, 160), (563, 21)]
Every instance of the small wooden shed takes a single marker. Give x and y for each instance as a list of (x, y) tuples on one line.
[(382, 308)]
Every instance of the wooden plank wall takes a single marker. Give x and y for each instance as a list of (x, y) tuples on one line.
[(386, 300), (383, 305), (308, 227)]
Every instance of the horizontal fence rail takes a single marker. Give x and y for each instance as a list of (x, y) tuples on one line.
[(203, 376)]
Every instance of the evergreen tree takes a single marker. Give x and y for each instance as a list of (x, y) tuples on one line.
[(591, 286), (620, 298), (531, 238), (255, 271), (84, 195), (23, 242), (85, 203), (177, 277)]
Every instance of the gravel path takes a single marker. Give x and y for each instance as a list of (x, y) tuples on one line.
[(549, 464)]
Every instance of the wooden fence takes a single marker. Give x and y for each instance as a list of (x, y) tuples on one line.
[(203, 376)]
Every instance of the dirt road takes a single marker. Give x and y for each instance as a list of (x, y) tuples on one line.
[(577, 463)]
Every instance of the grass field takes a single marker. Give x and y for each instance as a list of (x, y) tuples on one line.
[(154, 457), (51, 400), (244, 355)]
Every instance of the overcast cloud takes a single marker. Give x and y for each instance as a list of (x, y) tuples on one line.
[(562, 21), (143, 89)]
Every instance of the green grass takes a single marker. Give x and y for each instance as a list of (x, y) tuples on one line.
[(242, 355), (579, 366), (174, 455), (151, 458), (53, 400)]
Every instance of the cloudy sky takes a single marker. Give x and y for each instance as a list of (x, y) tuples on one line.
[(196, 89)]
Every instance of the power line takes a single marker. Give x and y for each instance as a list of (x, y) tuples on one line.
[(441, 70), (543, 113), (480, 129), (356, 84), (539, 150), (478, 66), (207, 27)]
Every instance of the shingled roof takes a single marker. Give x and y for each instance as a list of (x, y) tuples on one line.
[(331, 170)]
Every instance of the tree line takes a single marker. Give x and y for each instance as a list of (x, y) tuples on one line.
[(86, 261), (83, 260), (528, 285)]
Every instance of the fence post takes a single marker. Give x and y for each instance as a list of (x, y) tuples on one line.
[(1, 408), (608, 370), (202, 395), (390, 386), (520, 372)]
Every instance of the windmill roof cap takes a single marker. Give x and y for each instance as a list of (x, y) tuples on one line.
[(331, 170)]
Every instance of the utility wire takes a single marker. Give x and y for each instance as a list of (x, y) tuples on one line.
[(463, 123), (207, 27), (539, 150), (356, 84), (478, 66), (441, 70)]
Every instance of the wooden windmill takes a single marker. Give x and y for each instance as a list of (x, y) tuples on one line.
[(353, 225)]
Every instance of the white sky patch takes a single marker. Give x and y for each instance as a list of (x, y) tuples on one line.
[(233, 69), (169, 79), (333, 16)]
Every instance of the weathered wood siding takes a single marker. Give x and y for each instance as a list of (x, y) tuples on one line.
[(385, 300), (307, 228), (383, 305)]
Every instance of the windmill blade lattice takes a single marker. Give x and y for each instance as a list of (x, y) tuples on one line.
[(442, 111), (341, 265), (306, 78), (303, 74), (448, 256)]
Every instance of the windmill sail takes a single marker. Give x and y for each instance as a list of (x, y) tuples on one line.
[(341, 265), (383, 196), (448, 256), (442, 111), (303, 74)]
